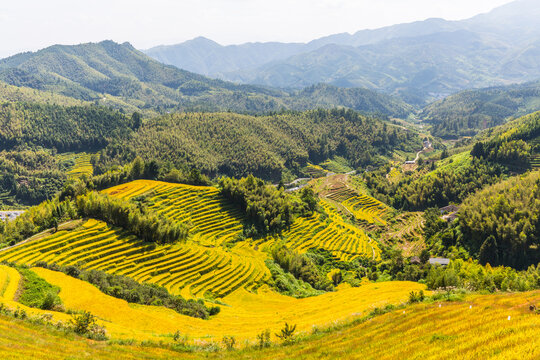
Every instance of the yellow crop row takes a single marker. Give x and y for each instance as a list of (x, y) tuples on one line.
[(366, 208), (212, 219), (97, 246), (82, 164)]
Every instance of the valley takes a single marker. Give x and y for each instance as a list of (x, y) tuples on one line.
[(367, 195)]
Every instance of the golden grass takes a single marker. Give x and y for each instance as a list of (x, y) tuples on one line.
[(244, 315), (475, 329), (20, 340), (479, 328)]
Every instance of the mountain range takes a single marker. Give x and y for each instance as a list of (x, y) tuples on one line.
[(419, 61), (121, 76)]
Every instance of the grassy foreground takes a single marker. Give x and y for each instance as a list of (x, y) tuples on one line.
[(484, 327)]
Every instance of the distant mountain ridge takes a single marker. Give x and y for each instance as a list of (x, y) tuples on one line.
[(491, 49), (118, 75)]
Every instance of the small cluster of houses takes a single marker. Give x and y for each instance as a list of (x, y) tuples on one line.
[(449, 213)]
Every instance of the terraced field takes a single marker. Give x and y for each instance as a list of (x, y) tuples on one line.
[(244, 315), (214, 221), (366, 208), (190, 270), (315, 171), (345, 241), (363, 207), (82, 165)]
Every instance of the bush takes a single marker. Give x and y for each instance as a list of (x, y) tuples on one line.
[(263, 339), (229, 342), (287, 334), (85, 324), (416, 297)]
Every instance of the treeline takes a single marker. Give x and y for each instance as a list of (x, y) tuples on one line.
[(125, 288), (265, 146), (147, 226), (474, 277), (501, 225), (461, 274), (137, 220)]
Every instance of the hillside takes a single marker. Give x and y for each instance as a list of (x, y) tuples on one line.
[(10, 93), (493, 229), (271, 147), (88, 71), (441, 325), (118, 75), (468, 112), (215, 261)]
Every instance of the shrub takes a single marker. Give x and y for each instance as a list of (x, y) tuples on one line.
[(263, 339), (229, 342), (416, 297), (287, 334), (85, 324)]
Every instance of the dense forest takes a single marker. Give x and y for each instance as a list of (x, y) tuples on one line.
[(29, 175), (451, 182), (72, 128), (505, 229), (468, 112), (266, 146)]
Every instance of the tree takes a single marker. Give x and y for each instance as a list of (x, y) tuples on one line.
[(308, 197), (424, 256), (489, 252), (444, 154), (136, 120), (137, 168)]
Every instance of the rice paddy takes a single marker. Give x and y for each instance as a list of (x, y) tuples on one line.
[(191, 270), (212, 219), (243, 315), (81, 164), (345, 241)]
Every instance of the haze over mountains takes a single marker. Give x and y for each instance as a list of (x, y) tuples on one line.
[(118, 75), (419, 61)]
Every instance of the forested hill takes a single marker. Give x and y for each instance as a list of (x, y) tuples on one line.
[(466, 113), (87, 71), (266, 146), (118, 75), (71, 128)]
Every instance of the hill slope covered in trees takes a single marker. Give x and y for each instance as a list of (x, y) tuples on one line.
[(468, 112), (266, 146)]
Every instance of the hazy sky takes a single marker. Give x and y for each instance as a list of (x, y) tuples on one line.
[(34, 24)]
